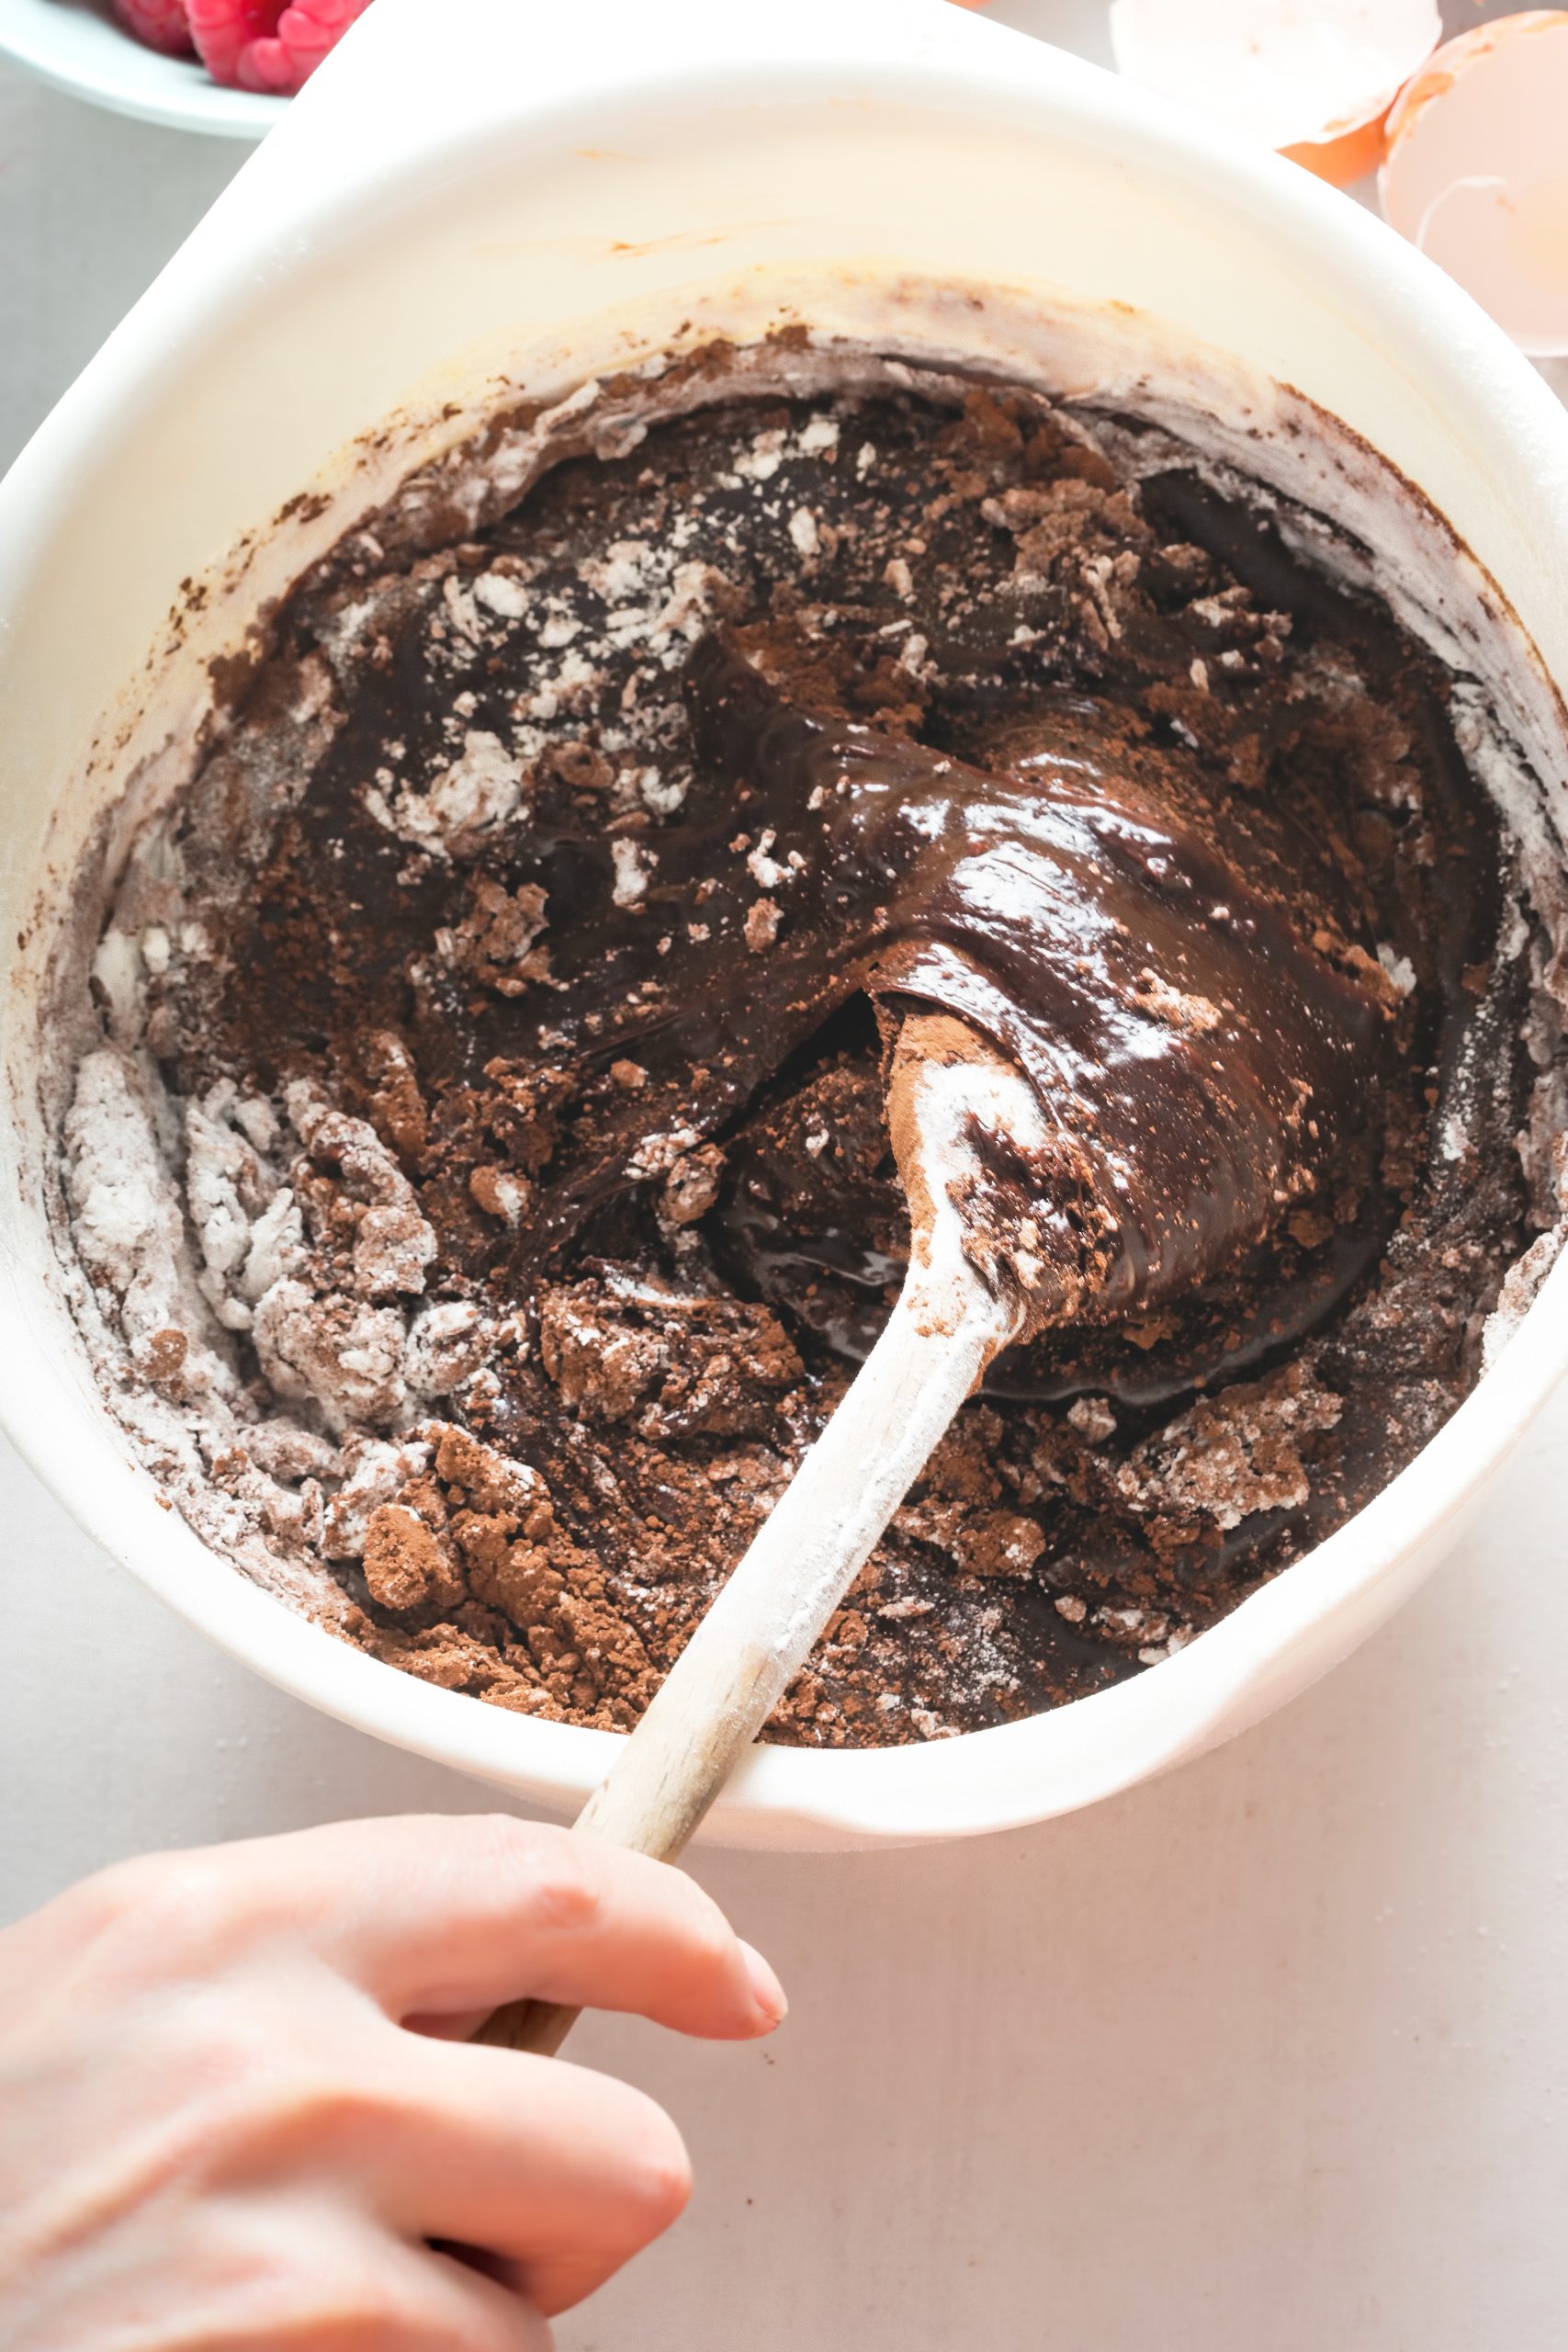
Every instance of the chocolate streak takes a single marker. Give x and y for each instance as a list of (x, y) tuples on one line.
[(1200, 1064), (1196, 1057)]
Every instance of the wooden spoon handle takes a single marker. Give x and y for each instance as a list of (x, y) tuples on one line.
[(756, 1636)]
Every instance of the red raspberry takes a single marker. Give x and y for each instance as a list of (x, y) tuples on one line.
[(161, 24), (268, 44)]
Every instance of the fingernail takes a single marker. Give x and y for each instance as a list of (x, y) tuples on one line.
[(766, 1990)]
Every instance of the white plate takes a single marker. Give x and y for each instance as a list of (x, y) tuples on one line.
[(78, 46)]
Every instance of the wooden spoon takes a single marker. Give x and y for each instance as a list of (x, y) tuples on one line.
[(947, 1081)]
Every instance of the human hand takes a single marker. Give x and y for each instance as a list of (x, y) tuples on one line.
[(237, 2113)]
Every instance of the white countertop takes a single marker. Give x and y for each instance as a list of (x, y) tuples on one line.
[(1270, 2056)]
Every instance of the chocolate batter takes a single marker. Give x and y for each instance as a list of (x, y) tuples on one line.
[(513, 974)]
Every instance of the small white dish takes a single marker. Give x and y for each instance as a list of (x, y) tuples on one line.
[(77, 45)]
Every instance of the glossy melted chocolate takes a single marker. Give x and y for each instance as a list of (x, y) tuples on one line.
[(1200, 1064)]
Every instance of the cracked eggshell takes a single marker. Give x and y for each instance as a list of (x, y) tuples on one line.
[(1477, 171), (1313, 78)]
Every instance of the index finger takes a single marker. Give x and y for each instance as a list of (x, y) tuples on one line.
[(436, 1915)]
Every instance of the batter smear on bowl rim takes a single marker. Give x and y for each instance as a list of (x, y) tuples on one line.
[(481, 1175)]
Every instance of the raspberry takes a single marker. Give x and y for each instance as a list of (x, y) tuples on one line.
[(271, 45), (161, 24)]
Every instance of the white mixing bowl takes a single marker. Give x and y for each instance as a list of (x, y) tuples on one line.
[(527, 195)]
